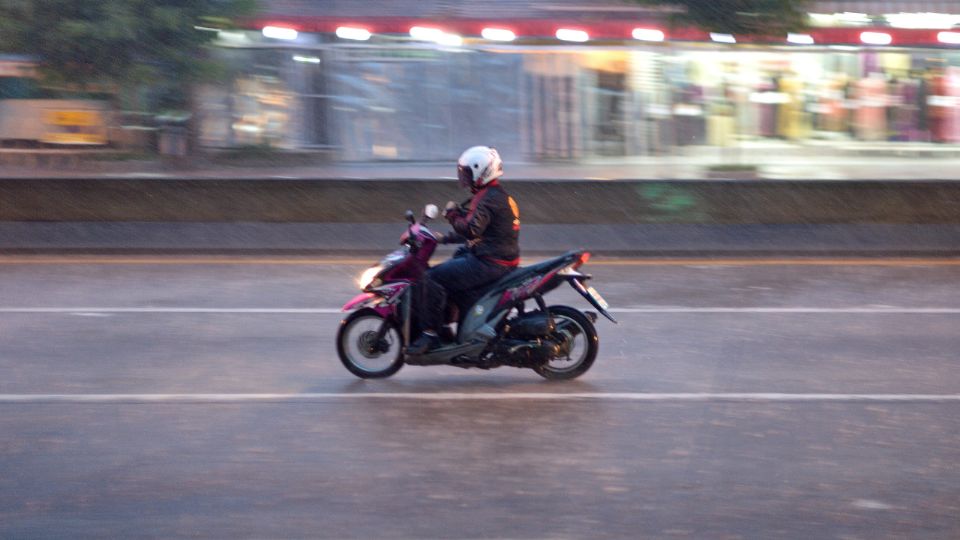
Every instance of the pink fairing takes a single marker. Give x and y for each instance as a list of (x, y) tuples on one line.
[(389, 292), (359, 300)]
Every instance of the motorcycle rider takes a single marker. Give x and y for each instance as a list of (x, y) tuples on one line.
[(490, 229)]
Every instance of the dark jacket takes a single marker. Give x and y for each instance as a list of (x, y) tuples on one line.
[(490, 227)]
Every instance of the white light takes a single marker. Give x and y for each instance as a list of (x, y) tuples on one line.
[(233, 37), (306, 59), (367, 277), (922, 20), (436, 35), (876, 38), (357, 34), (247, 128), (450, 40), (800, 39), (723, 38), (424, 33), (279, 32), (821, 19), (567, 34), (953, 38), (498, 34), (648, 34), (853, 18)]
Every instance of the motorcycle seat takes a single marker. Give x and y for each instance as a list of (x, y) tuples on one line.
[(524, 272)]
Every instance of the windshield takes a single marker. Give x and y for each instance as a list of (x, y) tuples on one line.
[(394, 257)]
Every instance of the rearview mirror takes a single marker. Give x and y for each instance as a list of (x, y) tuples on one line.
[(431, 211), (410, 217)]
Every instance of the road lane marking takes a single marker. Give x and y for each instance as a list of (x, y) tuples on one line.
[(641, 310), (369, 261), (750, 397)]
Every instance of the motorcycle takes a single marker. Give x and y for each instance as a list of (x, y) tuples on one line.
[(495, 327)]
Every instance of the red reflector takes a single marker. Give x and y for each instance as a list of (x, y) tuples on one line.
[(584, 257)]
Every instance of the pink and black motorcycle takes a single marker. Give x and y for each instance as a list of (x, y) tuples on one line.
[(505, 324)]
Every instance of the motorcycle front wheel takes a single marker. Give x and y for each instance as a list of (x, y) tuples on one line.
[(579, 345), (358, 350)]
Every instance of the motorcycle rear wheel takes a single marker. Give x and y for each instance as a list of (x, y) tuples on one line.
[(360, 355), (583, 343)]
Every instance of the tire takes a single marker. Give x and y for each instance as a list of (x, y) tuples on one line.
[(585, 345), (358, 326)]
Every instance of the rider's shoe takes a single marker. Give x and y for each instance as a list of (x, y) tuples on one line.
[(423, 344), (447, 335)]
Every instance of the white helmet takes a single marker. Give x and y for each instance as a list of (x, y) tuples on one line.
[(478, 166)]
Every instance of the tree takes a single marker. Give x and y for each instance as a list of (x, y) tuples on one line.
[(120, 47), (750, 17)]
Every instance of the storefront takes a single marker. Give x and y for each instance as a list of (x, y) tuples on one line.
[(415, 102)]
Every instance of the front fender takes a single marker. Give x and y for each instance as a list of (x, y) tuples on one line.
[(359, 301)]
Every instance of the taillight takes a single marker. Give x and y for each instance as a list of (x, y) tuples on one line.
[(584, 257)]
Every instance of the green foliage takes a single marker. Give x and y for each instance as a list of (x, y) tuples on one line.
[(117, 44), (751, 17)]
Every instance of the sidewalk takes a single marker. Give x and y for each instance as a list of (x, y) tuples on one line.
[(820, 160)]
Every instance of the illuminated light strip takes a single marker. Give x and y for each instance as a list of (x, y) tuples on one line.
[(648, 34), (425, 33), (306, 59), (951, 38), (705, 397), (822, 36), (280, 32), (800, 39), (450, 40), (922, 21), (498, 34), (356, 34), (436, 35), (876, 38), (722, 38), (568, 34)]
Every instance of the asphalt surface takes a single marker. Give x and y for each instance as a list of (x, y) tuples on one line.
[(160, 397)]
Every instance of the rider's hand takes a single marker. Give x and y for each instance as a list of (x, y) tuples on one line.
[(451, 210), (441, 238)]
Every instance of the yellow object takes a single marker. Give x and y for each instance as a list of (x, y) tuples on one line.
[(74, 118)]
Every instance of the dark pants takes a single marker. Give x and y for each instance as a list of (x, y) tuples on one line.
[(458, 277)]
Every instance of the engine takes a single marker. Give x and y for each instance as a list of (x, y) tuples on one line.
[(530, 340), (531, 325)]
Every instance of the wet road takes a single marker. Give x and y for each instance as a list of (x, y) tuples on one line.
[(740, 399)]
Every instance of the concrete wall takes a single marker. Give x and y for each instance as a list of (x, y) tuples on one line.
[(541, 202)]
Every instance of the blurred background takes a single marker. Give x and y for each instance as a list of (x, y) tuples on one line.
[(189, 190), (419, 80)]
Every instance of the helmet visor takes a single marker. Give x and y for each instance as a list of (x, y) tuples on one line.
[(465, 175)]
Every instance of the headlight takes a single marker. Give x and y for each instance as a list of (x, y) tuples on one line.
[(368, 276)]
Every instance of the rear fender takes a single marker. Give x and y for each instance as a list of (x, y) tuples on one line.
[(577, 283)]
